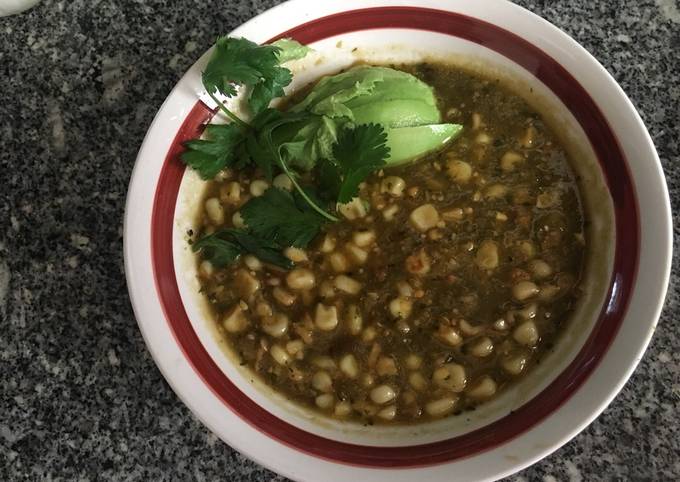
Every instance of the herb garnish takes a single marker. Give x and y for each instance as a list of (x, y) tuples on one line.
[(343, 153), (278, 217), (226, 245), (237, 61), (358, 153), (209, 156)]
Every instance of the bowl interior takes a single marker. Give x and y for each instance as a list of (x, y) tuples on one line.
[(378, 47)]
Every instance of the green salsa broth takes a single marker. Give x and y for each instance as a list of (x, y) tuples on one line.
[(463, 313)]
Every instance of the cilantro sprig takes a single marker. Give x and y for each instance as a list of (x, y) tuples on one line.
[(219, 150), (277, 219), (278, 216), (234, 62), (237, 61), (358, 152), (225, 246)]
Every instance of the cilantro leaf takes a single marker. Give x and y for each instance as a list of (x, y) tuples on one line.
[(358, 153), (220, 252), (219, 150), (223, 247), (258, 149), (237, 61), (270, 88), (275, 148), (265, 251), (266, 117), (277, 216), (231, 62), (329, 176), (258, 154), (228, 145)]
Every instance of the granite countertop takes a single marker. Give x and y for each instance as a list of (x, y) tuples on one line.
[(81, 398)]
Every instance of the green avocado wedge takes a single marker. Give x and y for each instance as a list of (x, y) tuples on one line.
[(396, 113), (409, 143)]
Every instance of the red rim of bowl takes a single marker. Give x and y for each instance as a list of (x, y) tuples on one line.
[(621, 187)]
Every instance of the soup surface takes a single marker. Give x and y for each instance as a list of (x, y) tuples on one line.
[(444, 283)]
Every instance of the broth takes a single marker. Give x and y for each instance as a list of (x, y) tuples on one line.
[(443, 285)]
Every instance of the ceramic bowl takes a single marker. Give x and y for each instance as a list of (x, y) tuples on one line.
[(627, 269)]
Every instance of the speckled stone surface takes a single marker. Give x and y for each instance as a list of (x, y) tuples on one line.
[(80, 398)]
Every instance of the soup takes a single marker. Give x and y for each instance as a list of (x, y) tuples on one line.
[(443, 283)]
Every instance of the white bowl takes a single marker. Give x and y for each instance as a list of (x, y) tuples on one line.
[(628, 268)]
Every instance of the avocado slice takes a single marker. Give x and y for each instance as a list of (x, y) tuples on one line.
[(397, 113), (409, 143)]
